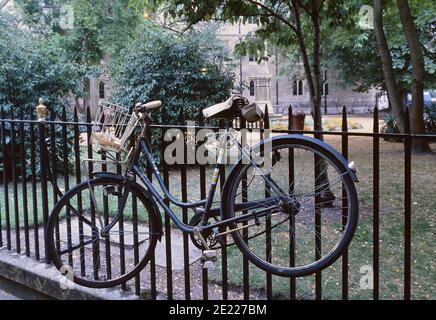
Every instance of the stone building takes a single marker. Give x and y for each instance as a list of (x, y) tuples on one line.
[(263, 83)]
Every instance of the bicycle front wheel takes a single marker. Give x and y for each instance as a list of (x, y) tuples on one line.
[(92, 243), (303, 208)]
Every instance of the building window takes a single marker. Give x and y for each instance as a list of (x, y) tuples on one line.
[(250, 20), (300, 87), (297, 88), (252, 58), (101, 90), (326, 89), (252, 90)]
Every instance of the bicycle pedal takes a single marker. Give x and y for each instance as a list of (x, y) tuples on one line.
[(209, 258)]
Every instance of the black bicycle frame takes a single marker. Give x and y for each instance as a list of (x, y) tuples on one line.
[(143, 147)]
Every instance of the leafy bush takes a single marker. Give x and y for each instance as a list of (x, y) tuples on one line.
[(390, 125), (32, 67), (430, 117), (187, 72)]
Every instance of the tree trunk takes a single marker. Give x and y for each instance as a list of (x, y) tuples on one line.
[(327, 196), (403, 97), (314, 87), (418, 67), (386, 62), (303, 51), (316, 64)]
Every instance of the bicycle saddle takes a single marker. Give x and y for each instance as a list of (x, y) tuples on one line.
[(139, 107), (228, 109)]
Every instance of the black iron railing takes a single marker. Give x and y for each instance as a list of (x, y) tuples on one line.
[(39, 154)]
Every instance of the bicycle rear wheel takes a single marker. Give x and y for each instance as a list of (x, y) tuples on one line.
[(306, 221), (90, 244)]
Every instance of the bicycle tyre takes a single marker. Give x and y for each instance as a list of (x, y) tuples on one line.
[(52, 233), (230, 193)]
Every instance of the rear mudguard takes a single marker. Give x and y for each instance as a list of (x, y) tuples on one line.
[(156, 212), (296, 139)]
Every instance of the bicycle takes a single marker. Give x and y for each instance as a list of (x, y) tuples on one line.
[(289, 220)]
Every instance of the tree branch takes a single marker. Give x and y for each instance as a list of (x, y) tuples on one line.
[(3, 3), (275, 14)]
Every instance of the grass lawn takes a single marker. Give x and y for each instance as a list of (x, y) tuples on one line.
[(391, 226), (391, 231)]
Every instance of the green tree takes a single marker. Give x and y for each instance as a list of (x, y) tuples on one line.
[(100, 29), (418, 73), (33, 67), (187, 72), (354, 51)]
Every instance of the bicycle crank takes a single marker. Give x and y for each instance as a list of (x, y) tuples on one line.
[(211, 240)]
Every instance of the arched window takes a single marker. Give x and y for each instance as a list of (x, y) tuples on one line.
[(300, 88), (295, 88), (326, 89), (101, 90), (252, 92)]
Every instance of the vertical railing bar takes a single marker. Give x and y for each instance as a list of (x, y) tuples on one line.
[(224, 261), (66, 183), (15, 186), (244, 198), (264, 129), (317, 171), (344, 205), (79, 195), (107, 241), (121, 230), (136, 241), (203, 196), (54, 174), (6, 190), (376, 206), (34, 189), (43, 178), (153, 257), (24, 188), (5, 182), (407, 206), (167, 223), (96, 245), (183, 177), (291, 173)]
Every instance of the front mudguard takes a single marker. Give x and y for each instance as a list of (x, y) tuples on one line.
[(296, 139), (299, 139)]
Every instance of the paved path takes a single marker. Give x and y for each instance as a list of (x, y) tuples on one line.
[(11, 291)]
